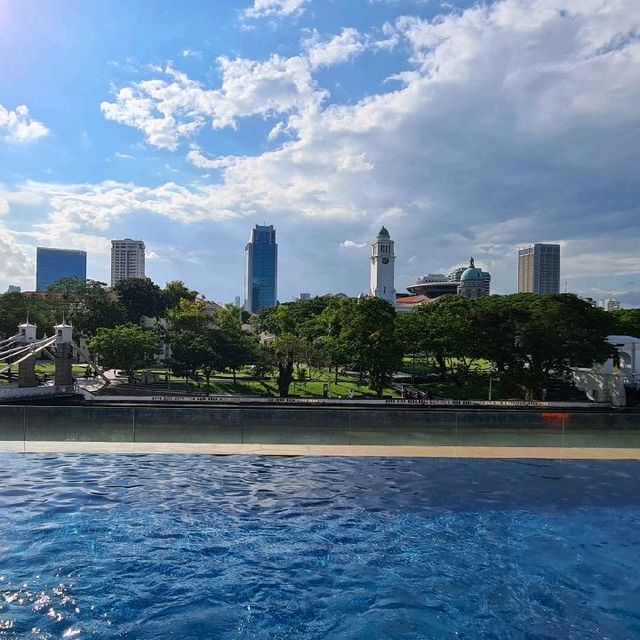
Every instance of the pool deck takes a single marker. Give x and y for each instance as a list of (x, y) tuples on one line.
[(555, 453)]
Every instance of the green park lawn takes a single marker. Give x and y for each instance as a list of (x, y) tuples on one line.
[(247, 385), (475, 387)]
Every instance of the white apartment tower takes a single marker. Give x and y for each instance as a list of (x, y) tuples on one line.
[(382, 267), (127, 260)]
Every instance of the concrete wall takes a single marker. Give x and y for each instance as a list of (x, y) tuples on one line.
[(280, 425)]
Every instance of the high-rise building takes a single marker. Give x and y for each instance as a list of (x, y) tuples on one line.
[(382, 267), (610, 304), (55, 264), (261, 269), (539, 269), (127, 260)]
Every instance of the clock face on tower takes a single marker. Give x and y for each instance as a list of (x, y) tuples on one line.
[(385, 260)]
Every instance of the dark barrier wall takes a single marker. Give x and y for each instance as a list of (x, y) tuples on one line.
[(294, 425)]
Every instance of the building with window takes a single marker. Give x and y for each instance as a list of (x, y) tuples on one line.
[(54, 264), (434, 285), (610, 304), (471, 284), (261, 269), (539, 269), (127, 260)]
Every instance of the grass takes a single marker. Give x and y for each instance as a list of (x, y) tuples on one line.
[(426, 365), (50, 369), (474, 387), (247, 385)]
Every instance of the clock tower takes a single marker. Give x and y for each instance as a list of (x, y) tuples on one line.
[(382, 266)]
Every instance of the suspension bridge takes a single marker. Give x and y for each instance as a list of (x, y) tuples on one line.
[(23, 350)]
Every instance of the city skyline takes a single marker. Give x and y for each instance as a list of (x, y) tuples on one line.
[(128, 261), (329, 120)]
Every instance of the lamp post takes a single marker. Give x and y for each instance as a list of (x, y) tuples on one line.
[(491, 379)]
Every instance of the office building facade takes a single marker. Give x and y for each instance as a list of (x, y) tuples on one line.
[(54, 264), (127, 260), (261, 269), (539, 269)]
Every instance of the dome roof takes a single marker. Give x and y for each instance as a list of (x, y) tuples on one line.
[(383, 232), (471, 273)]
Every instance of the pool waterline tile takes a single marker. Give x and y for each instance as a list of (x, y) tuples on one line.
[(443, 451)]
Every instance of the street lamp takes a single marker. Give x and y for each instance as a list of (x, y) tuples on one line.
[(491, 379)]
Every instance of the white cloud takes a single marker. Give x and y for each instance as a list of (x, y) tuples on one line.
[(515, 121), (4, 207), (350, 244), (176, 107), (340, 48), (190, 53), (16, 267), (18, 126), (274, 8), (198, 159)]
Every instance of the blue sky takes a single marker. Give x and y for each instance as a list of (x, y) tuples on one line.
[(465, 128)]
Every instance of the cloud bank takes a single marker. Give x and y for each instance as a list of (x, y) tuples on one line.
[(504, 124)]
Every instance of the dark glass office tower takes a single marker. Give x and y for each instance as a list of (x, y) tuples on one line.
[(54, 264), (261, 269)]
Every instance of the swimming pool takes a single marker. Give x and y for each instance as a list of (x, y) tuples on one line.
[(247, 547)]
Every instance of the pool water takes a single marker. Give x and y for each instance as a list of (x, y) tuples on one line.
[(247, 547)]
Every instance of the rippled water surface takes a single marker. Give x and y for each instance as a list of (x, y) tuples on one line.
[(242, 547)]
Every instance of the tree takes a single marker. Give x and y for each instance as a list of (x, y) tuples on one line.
[(68, 289), (16, 308), (283, 353), (444, 329), (332, 352), (127, 347), (556, 333), (140, 297), (300, 318), (175, 291), (238, 347), (366, 331), (627, 322), (95, 308), (189, 315), (185, 357)]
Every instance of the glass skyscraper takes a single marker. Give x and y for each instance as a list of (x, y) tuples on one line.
[(261, 269), (54, 264)]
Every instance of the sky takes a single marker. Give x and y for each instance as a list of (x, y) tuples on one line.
[(467, 129)]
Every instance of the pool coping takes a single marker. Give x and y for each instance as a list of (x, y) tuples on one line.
[(402, 451)]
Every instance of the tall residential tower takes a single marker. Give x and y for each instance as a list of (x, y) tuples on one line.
[(127, 260), (382, 267), (539, 269), (261, 269)]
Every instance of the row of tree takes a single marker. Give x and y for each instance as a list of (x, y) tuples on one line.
[(527, 338)]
